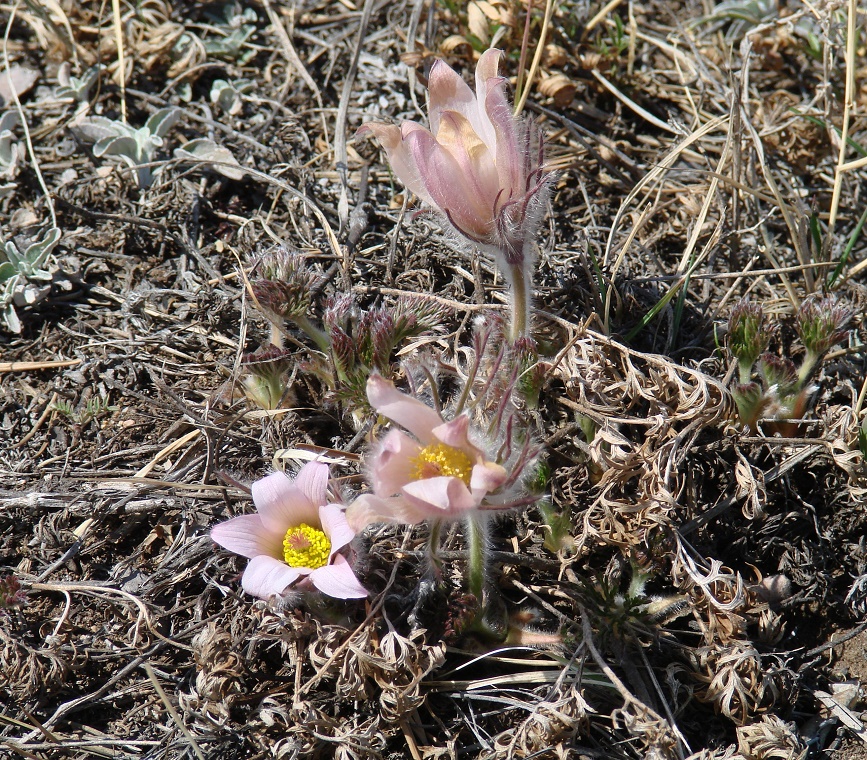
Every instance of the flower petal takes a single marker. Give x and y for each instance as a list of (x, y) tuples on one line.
[(393, 463), (247, 535), (338, 580), (312, 479), (487, 477), (440, 498), (510, 157), (282, 504), (454, 434), (479, 173), (406, 411), (334, 525), (368, 509), (487, 69), (444, 179), (391, 138), (266, 576), (448, 91)]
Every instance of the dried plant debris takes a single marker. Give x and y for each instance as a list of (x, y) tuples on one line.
[(576, 346)]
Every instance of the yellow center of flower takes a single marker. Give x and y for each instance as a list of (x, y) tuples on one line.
[(304, 546), (439, 459)]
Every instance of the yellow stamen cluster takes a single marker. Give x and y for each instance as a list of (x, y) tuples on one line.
[(441, 459), (305, 546)]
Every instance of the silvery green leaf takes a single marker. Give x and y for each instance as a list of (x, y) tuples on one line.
[(7, 270), (38, 251), (9, 121), (13, 255), (10, 317), (205, 150), (98, 128), (125, 146), (162, 121), (8, 150)]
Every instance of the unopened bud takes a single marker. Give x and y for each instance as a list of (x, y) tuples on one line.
[(748, 337), (820, 323), (264, 378)]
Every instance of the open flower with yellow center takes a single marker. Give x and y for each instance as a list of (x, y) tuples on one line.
[(295, 535), (439, 474)]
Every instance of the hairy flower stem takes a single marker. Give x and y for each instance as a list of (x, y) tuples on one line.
[(477, 541), (519, 326), (806, 368), (313, 332), (433, 546)]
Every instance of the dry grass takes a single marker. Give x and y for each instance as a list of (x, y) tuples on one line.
[(710, 571)]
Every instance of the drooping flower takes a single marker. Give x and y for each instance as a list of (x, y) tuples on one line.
[(296, 534), (438, 475), (479, 165)]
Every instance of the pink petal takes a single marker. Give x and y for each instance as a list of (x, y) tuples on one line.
[(368, 509), (282, 505), (440, 498), (247, 535), (334, 525), (312, 479), (406, 411), (402, 163), (486, 70), (393, 464), (448, 91), (266, 576), (453, 194), (454, 434), (476, 160), (509, 155), (487, 477), (338, 580)]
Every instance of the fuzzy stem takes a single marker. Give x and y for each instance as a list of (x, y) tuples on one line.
[(313, 332), (805, 370), (433, 545), (745, 371), (520, 324), (477, 541), (276, 336)]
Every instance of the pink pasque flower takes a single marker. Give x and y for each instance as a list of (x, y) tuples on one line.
[(478, 164), (441, 475), (296, 534)]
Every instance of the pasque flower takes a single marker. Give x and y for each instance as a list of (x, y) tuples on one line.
[(479, 165), (296, 534), (439, 474)]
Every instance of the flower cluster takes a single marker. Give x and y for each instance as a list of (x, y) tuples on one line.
[(783, 390)]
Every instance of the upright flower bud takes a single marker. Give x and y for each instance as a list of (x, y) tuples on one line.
[(820, 323), (748, 336), (264, 378)]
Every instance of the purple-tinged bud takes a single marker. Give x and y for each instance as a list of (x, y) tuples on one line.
[(284, 300), (748, 336), (779, 374), (265, 372), (11, 593), (820, 323), (339, 311), (382, 340), (751, 402)]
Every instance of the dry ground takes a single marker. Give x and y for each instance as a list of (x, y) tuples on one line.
[(697, 150)]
